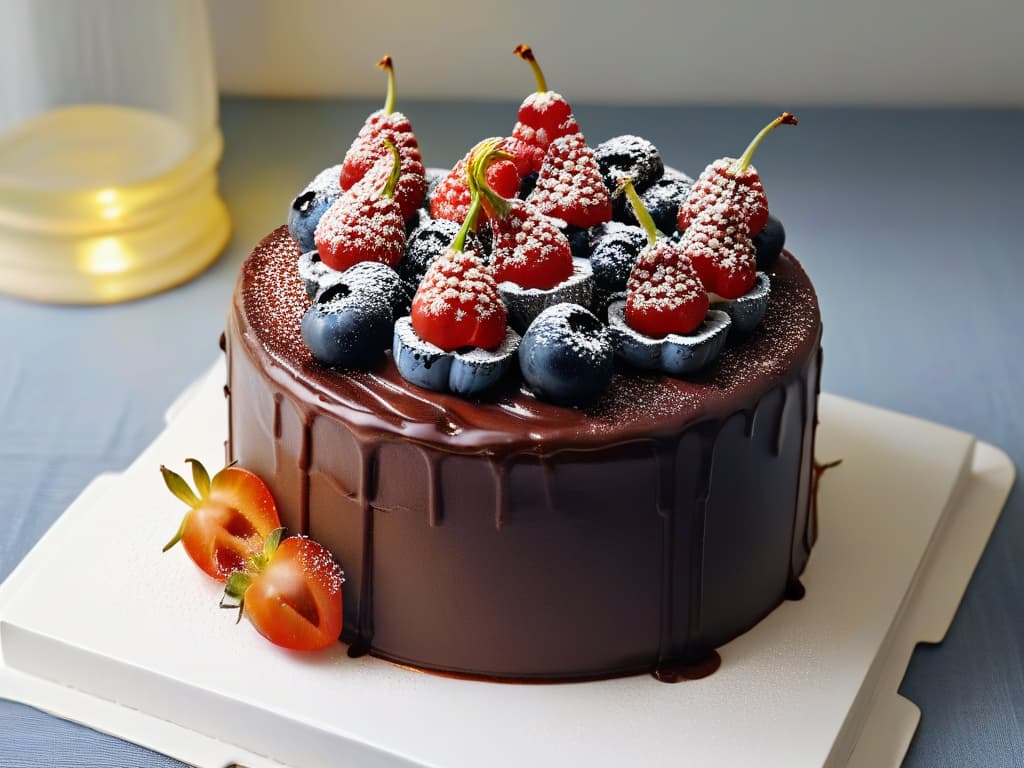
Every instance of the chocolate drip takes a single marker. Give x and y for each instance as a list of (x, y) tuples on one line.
[(364, 621), (305, 461), (709, 439), (434, 509), (278, 397), (780, 424), (548, 470), (665, 457), (500, 473), (795, 590), (678, 672)]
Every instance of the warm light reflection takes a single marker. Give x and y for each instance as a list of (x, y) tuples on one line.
[(105, 256), (109, 208)]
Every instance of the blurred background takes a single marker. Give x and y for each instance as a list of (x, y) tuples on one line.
[(796, 52)]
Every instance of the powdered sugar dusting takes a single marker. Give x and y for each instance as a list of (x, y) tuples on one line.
[(570, 186), (462, 284), (363, 229), (718, 185), (272, 302), (663, 279)]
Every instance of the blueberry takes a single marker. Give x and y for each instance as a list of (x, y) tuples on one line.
[(313, 272), (423, 246), (469, 372), (526, 185), (748, 310), (311, 203), (769, 243), (662, 200), (347, 327), (676, 353), (567, 356), (629, 156), (367, 276), (613, 253), (579, 241)]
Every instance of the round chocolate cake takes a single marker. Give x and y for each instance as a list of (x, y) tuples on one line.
[(506, 537)]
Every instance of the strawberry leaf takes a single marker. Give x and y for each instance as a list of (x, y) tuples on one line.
[(176, 484), (201, 477)]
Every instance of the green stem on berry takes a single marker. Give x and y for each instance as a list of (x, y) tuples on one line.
[(743, 163), (388, 66), (396, 171), (525, 53), (485, 153), (626, 186)]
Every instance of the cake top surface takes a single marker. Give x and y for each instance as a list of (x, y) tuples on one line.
[(271, 300)]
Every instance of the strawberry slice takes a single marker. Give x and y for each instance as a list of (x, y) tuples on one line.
[(228, 518), (718, 243), (451, 198), (527, 248), (457, 303), (664, 293), (569, 186), (291, 593), (543, 117), (735, 183), (364, 224), (367, 149)]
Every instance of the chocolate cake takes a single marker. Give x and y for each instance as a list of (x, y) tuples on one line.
[(505, 537)]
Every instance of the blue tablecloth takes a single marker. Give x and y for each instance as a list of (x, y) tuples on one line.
[(906, 220)]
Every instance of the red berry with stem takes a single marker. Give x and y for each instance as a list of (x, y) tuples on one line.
[(528, 248), (364, 224), (457, 303), (718, 243), (367, 149), (451, 199), (664, 294), (733, 182), (570, 187), (543, 117)]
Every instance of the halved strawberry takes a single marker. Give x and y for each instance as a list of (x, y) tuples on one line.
[(570, 186), (229, 517), (733, 182), (543, 117)]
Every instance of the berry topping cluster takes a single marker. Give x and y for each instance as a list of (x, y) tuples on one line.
[(534, 247)]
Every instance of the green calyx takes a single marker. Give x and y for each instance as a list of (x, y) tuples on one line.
[(748, 154), (388, 66), (240, 581), (626, 187), (396, 171), (177, 485), (525, 53), (486, 152)]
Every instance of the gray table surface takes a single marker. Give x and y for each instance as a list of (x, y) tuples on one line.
[(906, 221)]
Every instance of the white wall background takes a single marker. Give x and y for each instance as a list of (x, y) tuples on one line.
[(791, 52)]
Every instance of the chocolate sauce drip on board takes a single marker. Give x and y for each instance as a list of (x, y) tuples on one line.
[(680, 672), (378, 407)]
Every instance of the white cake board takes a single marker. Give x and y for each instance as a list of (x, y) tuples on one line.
[(98, 627)]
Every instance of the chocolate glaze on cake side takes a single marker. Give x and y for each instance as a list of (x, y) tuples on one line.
[(510, 538)]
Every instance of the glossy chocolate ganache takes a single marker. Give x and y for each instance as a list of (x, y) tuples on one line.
[(511, 538)]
